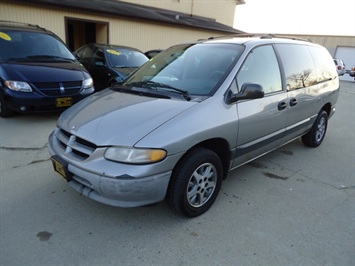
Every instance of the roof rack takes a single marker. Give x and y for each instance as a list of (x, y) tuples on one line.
[(270, 36), (262, 36)]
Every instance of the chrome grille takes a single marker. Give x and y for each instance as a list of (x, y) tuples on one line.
[(59, 88), (74, 146)]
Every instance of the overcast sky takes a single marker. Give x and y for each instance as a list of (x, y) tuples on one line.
[(323, 17)]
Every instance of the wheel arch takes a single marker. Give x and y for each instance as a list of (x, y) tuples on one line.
[(219, 146), (327, 108), (176, 195)]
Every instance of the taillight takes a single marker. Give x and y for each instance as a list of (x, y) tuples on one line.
[(339, 67)]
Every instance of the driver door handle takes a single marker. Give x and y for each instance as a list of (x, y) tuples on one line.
[(281, 105)]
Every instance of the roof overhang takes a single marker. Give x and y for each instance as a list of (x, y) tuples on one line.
[(128, 10)]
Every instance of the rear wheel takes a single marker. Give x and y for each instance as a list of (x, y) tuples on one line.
[(315, 136), (195, 183)]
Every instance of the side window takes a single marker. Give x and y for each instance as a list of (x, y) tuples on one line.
[(261, 67), (298, 65), (99, 57), (86, 53)]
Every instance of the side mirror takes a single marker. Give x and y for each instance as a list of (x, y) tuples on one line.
[(248, 91)]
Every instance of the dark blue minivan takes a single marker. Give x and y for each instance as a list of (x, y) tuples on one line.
[(38, 73)]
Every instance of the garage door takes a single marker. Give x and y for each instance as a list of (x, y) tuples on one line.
[(347, 54)]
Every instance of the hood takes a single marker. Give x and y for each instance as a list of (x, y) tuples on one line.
[(43, 71), (114, 118)]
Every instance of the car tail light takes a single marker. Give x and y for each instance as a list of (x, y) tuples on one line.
[(339, 67)]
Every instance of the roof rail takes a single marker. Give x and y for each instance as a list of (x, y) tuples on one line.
[(262, 36), (270, 36)]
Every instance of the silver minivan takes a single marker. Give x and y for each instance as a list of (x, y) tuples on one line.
[(176, 127)]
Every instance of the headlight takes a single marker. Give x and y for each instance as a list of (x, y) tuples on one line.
[(18, 86), (134, 156), (88, 83)]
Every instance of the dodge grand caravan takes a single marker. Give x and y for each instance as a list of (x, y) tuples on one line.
[(194, 112), (37, 71)]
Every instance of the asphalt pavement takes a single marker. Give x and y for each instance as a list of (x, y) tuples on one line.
[(294, 206)]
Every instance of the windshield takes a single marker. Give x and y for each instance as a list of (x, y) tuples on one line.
[(193, 68), (118, 57), (31, 45)]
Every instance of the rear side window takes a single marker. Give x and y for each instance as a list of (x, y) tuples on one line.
[(261, 67), (298, 65), (324, 65)]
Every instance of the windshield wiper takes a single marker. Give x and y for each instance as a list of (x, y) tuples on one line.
[(12, 59), (153, 84), (124, 66), (140, 93), (49, 57)]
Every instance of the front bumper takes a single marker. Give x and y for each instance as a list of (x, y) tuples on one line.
[(33, 102), (118, 192), (121, 190)]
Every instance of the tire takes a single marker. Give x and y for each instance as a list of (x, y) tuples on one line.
[(315, 136), (4, 110), (195, 183)]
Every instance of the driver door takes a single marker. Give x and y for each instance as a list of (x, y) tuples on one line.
[(262, 122), (100, 71)]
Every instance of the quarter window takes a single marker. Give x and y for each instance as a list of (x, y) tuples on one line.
[(325, 68), (261, 67), (299, 73)]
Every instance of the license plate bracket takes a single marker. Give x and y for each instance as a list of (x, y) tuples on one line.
[(61, 167), (63, 102)]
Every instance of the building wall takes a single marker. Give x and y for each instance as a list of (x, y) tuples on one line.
[(139, 34), (331, 42), (222, 10)]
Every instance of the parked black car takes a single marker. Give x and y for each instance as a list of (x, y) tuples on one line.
[(109, 64), (37, 71), (151, 53)]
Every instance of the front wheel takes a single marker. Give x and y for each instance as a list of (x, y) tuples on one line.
[(315, 136), (195, 182)]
